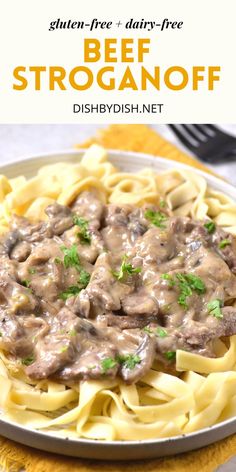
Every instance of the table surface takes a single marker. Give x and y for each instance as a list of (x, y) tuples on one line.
[(20, 141)]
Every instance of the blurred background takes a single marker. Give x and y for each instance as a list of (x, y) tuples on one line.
[(22, 141)]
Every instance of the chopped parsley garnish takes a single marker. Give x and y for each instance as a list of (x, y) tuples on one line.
[(193, 281), (214, 308), (210, 227), (71, 257), (84, 278), (187, 283), (70, 292), (129, 361), (26, 283), (108, 364), (126, 269), (28, 360), (64, 349), (169, 278), (31, 270), (73, 332), (84, 234), (162, 203), (147, 330), (170, 355), (157, 218), (76, 289), (161, 332), (57, 260), (224, 243), (0, 334)]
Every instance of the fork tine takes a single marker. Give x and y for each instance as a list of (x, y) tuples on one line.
[(201, 129), (187, 142), (214, 131), (213, 128), (211, 143), (191, 131)]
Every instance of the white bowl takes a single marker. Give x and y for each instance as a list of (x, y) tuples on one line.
[(115, 450)]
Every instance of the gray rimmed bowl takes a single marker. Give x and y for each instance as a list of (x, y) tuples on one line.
[(115, 450)]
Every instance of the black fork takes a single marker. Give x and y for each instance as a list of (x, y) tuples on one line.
[(207, 142)]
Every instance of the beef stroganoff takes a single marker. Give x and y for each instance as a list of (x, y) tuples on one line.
[(118, 290)]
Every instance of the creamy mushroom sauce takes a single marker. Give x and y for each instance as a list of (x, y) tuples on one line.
[(101, 291)]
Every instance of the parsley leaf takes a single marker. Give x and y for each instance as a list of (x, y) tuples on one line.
[(28, 360), (84, 278), (64, 349), (126, 268), (70, 292), (71, 257), (210, 227), (26, 283), (194, 282), (161, 332), (162, 203), (129, 360), (76, 289), (170, 279), (72, 332), (31, 270), (224, 243), (157, 218), (57, 260), (170, 355), (214, 308), (187, 283), (147, 330), (84, 234), (107, 364)]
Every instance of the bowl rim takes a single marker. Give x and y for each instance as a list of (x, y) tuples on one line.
[(123, 443), (114, 153)]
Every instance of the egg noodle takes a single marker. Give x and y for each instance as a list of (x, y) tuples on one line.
[(160, 405)]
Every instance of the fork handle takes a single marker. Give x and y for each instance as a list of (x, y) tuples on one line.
[(227, 156)]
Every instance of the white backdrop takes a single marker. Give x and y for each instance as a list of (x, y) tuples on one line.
[(206, 38)]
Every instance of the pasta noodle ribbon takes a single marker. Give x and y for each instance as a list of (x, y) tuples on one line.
[(135, 189), (211, 399), (5, 187), (68, 195), (189, 361)]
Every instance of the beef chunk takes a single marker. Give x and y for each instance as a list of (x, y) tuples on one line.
[(52, 353), (90, 207)]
